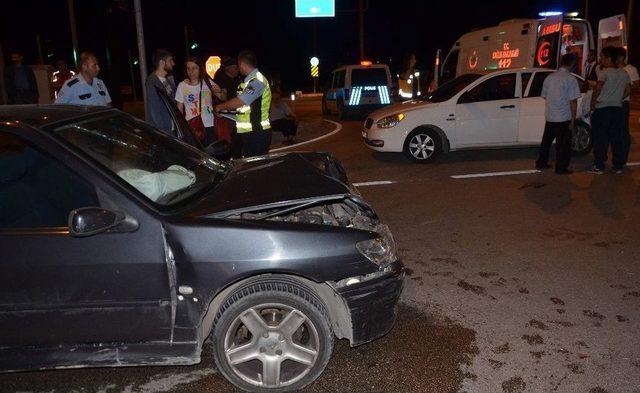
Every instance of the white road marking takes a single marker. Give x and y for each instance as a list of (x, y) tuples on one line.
[(338, 128), (492, 174), (633, 163), (373, 183)]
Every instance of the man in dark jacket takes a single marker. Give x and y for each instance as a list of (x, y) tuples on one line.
[(20, 82), (157, 112)]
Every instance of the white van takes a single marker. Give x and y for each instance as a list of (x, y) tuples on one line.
[(357, 89), (519, 43)]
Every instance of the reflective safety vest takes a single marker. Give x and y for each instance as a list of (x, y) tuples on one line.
[(255, 117)]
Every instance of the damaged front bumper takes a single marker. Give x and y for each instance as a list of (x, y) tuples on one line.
[(372, 304)]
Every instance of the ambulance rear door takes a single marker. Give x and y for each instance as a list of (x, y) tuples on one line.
[(612, 31)]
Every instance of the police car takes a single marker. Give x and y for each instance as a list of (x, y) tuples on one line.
[(473, 111), (357, 89)]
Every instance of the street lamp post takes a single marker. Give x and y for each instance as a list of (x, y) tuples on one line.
[(141, 49)]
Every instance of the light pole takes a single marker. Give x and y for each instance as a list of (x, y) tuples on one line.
[(142, 58), (74, 32)]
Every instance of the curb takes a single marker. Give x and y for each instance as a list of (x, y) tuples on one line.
[(337, 129)]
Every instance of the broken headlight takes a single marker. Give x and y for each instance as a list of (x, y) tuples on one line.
[(380, 250)]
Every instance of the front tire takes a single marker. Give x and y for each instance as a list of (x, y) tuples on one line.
[(422, 145), (272, 335), (581, 139)]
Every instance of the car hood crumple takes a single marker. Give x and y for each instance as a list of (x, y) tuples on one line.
[(276, 181), (404, 107)]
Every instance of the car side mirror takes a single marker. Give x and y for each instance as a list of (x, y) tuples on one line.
[(89, 221)]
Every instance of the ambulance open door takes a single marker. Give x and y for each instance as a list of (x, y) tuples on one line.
[(612, 31)]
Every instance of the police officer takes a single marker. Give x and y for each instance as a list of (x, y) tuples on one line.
[(252, 103), (85, 88)]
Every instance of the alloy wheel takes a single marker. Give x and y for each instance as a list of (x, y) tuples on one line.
[(422, 146), (271, 345)]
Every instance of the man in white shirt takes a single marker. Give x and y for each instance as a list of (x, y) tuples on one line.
[(561, 92)]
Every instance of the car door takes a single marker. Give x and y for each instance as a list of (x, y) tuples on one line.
[(531, 124), (61, 291), (487, 113)]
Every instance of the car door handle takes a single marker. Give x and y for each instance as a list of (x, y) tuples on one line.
[(507, 107)]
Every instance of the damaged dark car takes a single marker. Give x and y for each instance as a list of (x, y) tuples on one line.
[(122, 246)]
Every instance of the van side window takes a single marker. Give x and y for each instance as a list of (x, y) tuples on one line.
[(341, 75), (36, 191)]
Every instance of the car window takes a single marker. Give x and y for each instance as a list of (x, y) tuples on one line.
[(36, 191), (369, 77), (536, 85), (526, 77), (500, 87), (449, 89), (160, 167)]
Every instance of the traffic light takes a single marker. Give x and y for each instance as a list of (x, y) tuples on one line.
[(194, 45)]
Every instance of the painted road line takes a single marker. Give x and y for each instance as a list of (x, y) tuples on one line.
[(633, 163), (492, 174), (373, 183), (338, 128)]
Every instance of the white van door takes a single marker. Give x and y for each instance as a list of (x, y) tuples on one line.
[(612, 31), (488, 114)]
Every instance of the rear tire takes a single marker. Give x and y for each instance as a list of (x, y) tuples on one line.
[(272, 335), (422, 145), (581, 139)]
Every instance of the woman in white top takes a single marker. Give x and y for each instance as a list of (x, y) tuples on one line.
[(195, 101)]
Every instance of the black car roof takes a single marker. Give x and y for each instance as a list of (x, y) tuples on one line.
[(41, 115)]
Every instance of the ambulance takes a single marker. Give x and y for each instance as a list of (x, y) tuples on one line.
[(525, 43)]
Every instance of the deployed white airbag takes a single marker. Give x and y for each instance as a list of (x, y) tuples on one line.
[(157, 185)]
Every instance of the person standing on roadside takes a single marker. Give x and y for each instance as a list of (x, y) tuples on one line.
[(561, 92), (60, 76), (252, 103), (161, 79), (591, 68), (607, 120), (282, 118), (626, 103), (20, 82), (85, 88), (195, 100), (228, 78)]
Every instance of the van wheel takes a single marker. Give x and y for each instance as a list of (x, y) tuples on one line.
[(581, 140), (272, 335), (422, 145)]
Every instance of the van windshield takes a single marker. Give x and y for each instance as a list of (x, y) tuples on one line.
[(451, 88), (368, 77)]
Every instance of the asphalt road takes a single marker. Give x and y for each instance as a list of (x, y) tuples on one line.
[(519, 283)]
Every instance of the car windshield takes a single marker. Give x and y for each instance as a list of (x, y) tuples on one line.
[(451, 88), (160, 167)]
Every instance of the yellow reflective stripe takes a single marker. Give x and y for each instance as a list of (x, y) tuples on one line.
[(243, 109)]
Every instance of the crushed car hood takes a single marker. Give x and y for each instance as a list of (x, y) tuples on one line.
[(275, 180)]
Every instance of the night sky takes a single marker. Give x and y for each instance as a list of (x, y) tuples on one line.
[(282, 42)]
